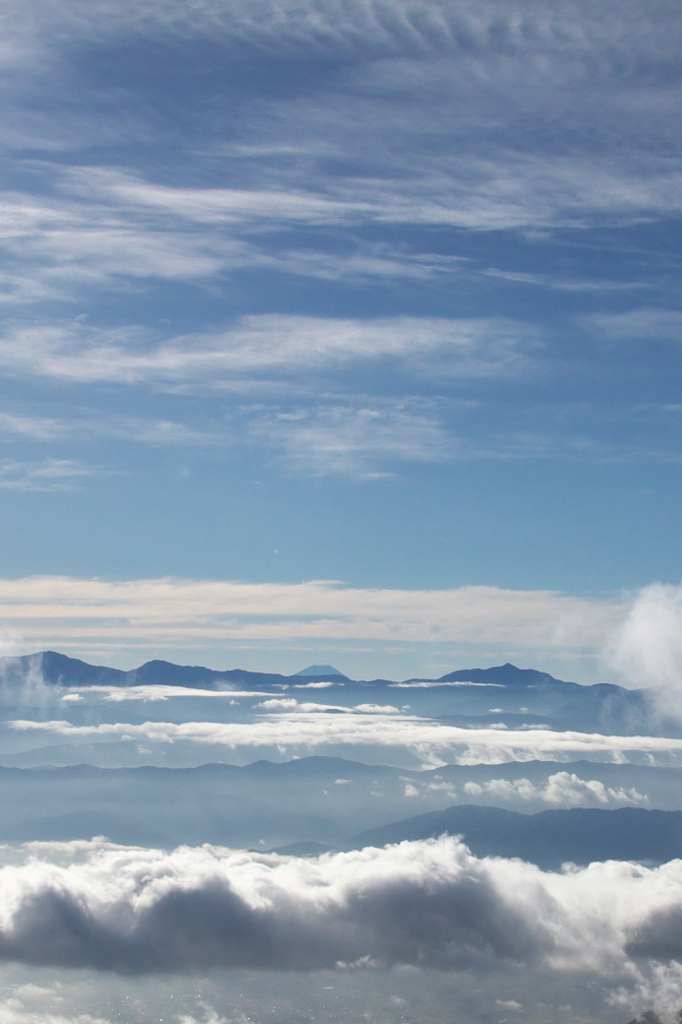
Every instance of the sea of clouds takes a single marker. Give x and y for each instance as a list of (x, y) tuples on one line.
[(429, 903), (92, 933)]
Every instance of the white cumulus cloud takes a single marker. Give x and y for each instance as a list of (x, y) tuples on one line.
[(563, 789)]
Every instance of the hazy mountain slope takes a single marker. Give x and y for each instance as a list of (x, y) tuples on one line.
[(549, 838), (315, 799)]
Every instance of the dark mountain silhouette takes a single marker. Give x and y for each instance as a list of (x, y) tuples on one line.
[(59, 670), (507, 675), (523, 696)]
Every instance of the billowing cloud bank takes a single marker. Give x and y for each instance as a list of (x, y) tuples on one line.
[(94, 905), (647, 648)]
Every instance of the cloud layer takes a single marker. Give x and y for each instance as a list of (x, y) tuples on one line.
[(288, 726), (428, 903), (265, 344), (52, 610), (371, 153)]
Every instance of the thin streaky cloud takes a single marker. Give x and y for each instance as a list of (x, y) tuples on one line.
[(639, 324), (215, 205), (564, 284), (114, 228), (157, 692), (309, 727), (169, 612), (146, 431), (267, 343), (79, 242), (125, 228), (356, 442), (422, 684), (513, 190), (365, 263), (46, 475), (38, 428)]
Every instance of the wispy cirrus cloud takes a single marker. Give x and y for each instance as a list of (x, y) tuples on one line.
[(362, 437), (61, 248), (109, 227), (45, 475), (38, 428), (508, 191), (355, 441), (407, 25), (268, 344), (127, 428), (536, 64), (54, 246), (638, 324)]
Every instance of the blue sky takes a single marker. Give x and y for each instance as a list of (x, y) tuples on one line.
[(378, 293)]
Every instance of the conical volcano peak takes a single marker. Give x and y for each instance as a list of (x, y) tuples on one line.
[(319, 670)]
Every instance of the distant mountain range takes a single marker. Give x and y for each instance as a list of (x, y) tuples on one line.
[(504, 695), (60, 670), (311, 804), (308, 806)]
